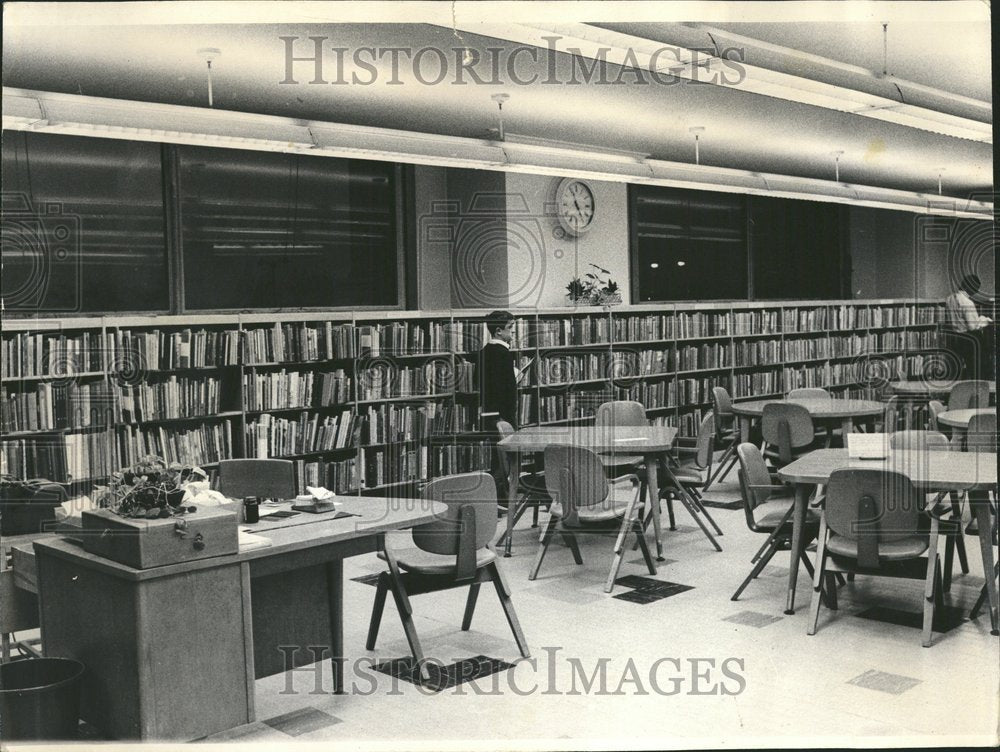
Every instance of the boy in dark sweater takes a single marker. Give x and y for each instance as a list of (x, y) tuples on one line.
[(496, 373)]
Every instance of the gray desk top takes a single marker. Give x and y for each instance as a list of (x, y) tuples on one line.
[(930, 470)]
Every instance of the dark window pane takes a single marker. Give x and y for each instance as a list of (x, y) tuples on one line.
[(264, 230), (688, 245), (83, 228)]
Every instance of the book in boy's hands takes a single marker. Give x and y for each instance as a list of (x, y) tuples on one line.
[(523, 370)]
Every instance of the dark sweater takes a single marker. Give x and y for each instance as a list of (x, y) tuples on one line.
[(497, 388)]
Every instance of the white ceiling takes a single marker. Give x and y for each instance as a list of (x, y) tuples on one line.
[(158, 62)]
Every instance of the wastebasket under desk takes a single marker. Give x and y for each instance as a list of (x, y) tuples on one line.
[(166, 649)]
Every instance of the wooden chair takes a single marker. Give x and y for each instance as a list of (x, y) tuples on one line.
[(768, 507), (981, 434), (809, 393), (621, 413), (965, 395), (870, 525), (788, 432), (531, 491), (450, 552), (268, 479), (585, 501), (726, 433), (930, 441), (934, 409)]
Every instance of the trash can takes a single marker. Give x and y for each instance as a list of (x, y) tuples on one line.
[(40, 699)]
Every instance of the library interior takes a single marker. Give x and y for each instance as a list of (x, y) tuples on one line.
[(317, 317)]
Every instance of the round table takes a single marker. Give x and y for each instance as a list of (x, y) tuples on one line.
[(961, 418), (927, 389), (820, 410)]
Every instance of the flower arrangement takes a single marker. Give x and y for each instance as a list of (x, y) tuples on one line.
[(151, 489), (594, 288)]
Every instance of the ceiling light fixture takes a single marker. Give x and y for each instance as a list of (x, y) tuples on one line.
[(500, 99), (208, 54), (697, 131), (836, 164)]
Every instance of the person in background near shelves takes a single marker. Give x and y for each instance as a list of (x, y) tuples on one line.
[(496, 376), (496, 373), (969, 334)]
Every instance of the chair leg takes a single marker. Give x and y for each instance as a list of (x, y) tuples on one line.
[(543, 546), (518, 514), (631, 517), (758, 568), (711, 521), (405, 613), (830, 588), (956, 510), (470, 606), (697, 518), (570, 540), (930, 583), (670, 512), (949, 562), (641, 539), (730, 452), (381, 591), (807, 564), (534, 515), (814, 602), (503, 593)]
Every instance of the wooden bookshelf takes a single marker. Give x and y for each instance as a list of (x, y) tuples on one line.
[(385, 400)]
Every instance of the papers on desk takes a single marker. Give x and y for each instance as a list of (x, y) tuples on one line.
[(248, 541), (867, 446)]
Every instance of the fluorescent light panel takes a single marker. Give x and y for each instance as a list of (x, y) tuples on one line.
[(90, 116)]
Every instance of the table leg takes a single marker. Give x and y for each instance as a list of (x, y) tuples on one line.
[(798, 544), (745, 422), (847, 426), (513, 475), (653, 494), (981, 508), (335, 593)]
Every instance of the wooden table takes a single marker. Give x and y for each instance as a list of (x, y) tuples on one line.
[(928, 389), (821, 410), (929, 471), (961, 418), (649, 441), (172, 652)]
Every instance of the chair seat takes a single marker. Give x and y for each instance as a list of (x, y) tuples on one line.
[(767, 516), (907, 548), (532, 483), (612, 508), (689, 474), (418, 561)]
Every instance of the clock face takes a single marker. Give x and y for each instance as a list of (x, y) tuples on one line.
[(575, 206)]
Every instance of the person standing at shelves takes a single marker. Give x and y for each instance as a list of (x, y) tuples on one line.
[(496, 373), (969, 335)]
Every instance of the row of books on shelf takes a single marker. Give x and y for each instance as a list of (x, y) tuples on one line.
[(577, 330), (381, 380), (72, 457), (30, 354), (384, 424), (275, 390), (341, 476), (158, 349), (272, 436), (50, 406), (173, 398), (297, 342)]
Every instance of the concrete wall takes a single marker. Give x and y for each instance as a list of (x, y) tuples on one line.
[(539, 270)]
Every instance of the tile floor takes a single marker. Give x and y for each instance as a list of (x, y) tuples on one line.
[(681, 669)]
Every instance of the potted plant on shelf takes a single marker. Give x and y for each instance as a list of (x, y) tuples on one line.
[(594, 289)]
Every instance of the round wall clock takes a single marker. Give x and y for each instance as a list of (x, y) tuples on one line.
[(575, 206)]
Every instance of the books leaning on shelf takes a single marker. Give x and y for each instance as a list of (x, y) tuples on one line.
[(271, 436)]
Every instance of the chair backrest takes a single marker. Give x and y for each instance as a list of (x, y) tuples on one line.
[(809, 393), (722, 407), (755, 480), (270, 479), (575, 480), (934, 409), (871, 507), (967, 395), (893, 413), (981, 435), (787, 426), (505, 429), (469, 523), (913, 439), (704, 443), (621, 413)]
